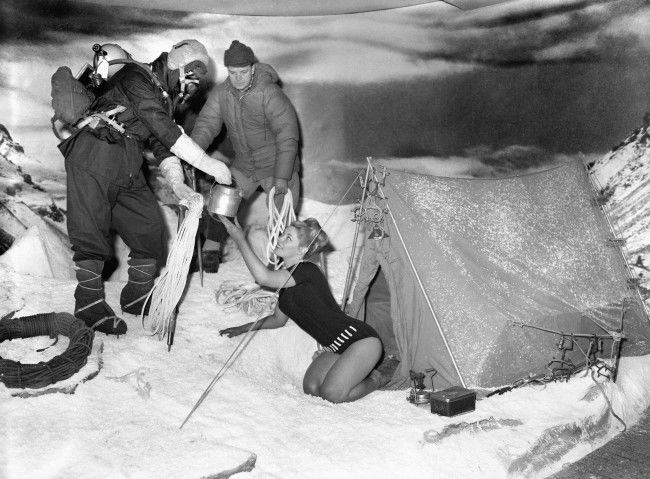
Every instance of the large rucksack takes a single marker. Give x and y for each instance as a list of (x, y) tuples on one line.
[(71, 99), (73, 95)]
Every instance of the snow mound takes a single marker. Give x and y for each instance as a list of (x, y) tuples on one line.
[(40, 252), (624, 178)]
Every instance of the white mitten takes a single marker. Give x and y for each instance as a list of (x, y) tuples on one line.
[(172, 171), (189, 151), (217, 155)]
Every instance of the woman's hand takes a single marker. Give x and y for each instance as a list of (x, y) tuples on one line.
[(234, 330), (234, 229), (317, 353)]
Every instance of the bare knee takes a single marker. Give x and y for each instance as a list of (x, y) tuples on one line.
[(311, 386), (333, 394)]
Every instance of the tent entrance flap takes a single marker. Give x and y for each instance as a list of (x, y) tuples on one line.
[(377, 313)]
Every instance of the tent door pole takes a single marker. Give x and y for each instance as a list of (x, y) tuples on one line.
[(348, 276)]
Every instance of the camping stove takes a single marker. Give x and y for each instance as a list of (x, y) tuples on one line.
[(418, 394)]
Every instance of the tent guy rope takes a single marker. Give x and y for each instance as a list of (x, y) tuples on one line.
[(348, 277)]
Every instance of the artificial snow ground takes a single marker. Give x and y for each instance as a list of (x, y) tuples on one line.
[(124, 423)]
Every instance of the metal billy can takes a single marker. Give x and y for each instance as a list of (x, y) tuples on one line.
[(224, 200)]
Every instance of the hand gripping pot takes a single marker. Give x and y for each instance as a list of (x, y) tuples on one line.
[(224, 200)]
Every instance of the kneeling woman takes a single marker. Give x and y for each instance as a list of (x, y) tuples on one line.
[(343, 371)]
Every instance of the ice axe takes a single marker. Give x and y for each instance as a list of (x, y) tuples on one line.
[(190, 173), (172, 323)]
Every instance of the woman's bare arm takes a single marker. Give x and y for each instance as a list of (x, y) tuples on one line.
[(272, 279), (273, 321)]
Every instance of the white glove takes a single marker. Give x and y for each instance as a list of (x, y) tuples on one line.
[(217, 155), (172, 171), (189, 151)]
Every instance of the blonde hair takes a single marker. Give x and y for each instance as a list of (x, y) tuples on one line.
[(311, 235)]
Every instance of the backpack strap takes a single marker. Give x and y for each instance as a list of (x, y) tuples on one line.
[(93, 120), (150, 74)]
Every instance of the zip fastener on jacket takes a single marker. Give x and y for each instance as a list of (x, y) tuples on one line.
[(264, 115), (241, 125)]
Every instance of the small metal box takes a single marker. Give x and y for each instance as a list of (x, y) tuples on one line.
[(452, 401)]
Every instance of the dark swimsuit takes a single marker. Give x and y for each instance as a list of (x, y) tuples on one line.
[(312, 307)]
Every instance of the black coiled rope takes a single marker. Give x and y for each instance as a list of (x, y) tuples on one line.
[(17, 375)]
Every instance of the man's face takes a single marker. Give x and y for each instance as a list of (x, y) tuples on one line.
[(240, 77)]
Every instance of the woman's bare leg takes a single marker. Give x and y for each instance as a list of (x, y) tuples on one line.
[(316, 372), (347, 378)]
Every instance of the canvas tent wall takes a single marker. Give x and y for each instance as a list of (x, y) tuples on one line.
[(467, 259)]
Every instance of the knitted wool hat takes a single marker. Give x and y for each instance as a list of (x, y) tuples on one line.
[(186, 52), (238, 55)]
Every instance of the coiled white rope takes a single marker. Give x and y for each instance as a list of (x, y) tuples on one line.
[(247, 297), (278, 221), (170, 285)]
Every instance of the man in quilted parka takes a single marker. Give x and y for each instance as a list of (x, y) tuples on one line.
[(263, 127)]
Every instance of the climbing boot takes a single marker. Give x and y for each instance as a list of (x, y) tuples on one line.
[(141, 279), (383, 373), (90, 304)]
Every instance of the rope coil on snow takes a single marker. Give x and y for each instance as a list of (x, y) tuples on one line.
[(169, 287), (250, 298), (17, 375), (278, 221)]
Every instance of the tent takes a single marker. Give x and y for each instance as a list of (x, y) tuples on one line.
[(494, 280)]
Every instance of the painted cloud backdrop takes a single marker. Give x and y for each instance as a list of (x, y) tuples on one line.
[(514, 84)]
